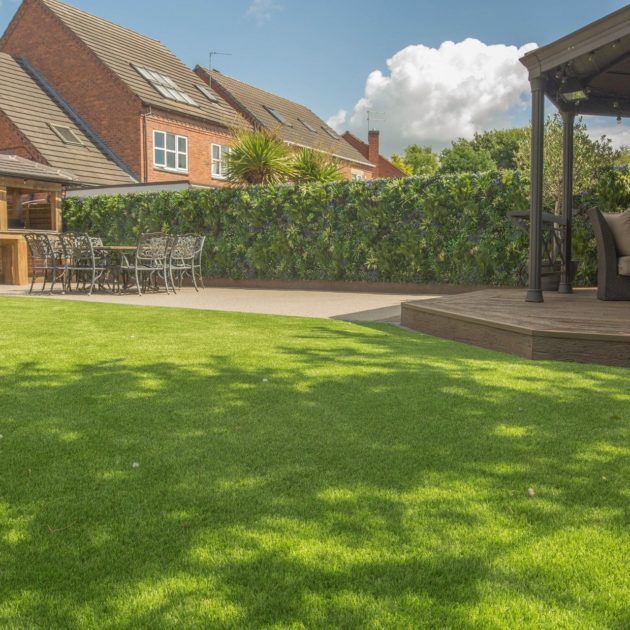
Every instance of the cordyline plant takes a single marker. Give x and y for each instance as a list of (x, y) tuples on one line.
[(314, 166), (259, 157)]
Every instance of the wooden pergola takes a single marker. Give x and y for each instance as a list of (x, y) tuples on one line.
[(587, 72)]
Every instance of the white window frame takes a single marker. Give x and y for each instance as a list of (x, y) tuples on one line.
[(358, 176), (219, 173), (177, 152)]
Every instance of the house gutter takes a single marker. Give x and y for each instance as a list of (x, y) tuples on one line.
[(147, 112)]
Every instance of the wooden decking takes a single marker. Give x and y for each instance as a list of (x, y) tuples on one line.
[(576, 327)]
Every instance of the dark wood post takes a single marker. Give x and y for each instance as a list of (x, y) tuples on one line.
[(568, 119), (534, 293)]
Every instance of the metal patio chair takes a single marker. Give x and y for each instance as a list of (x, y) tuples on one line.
[(150, 261), (186, 259), (42, 259), (82, 262)]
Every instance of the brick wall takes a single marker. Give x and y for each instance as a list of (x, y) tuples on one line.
[(200, 138), (12, 141), (81, 79), (349, 169)]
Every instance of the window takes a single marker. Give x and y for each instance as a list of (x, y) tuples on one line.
[(164, 85), (170, 152), (278, 116), (208, 94), (66, 134), (220, 153), (357, 176), (309, 127), (331, 133)]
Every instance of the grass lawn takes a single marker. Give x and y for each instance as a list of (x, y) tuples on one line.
[(175, 468)]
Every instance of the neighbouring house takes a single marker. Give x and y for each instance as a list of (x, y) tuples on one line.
[(35, 127), (371, 151), (155, 115), (294, 123)]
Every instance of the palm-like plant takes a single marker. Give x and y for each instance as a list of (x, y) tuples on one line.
[(259, 157), (314, 166)]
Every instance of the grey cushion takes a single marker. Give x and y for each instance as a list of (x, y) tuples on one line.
[(619, 224), (623, 265)]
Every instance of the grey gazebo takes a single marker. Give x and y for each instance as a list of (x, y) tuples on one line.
[(587, 72)]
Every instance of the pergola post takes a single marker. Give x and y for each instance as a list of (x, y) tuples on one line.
[(534, 293), (568, 119)]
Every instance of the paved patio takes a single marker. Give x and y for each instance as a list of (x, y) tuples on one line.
[(350, 306)]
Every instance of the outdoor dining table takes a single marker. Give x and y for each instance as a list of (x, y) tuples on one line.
[(114, 255)]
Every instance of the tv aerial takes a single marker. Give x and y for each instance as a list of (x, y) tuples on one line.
[(212, 53), (373, 117)]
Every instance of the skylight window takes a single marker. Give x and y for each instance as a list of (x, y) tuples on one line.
[(309, 127), (278, 116), (66, 135), (164, 85), (331, 133), (208, 94)]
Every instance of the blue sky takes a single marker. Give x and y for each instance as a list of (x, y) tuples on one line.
[(321, 52)]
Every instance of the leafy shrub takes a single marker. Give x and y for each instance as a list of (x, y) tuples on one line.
[(444, 229)]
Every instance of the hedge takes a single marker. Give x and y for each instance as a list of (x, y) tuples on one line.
[(447, 229)]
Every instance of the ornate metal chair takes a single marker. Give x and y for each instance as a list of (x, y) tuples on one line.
[(186, 259), (613, 269), (150, 262), (82, 262), (42, 259)]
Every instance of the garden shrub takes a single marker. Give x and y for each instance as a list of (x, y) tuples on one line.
[(443, 229)]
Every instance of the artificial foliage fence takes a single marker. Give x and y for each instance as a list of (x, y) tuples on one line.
[(446, 229)]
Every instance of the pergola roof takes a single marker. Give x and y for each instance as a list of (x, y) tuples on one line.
[(15, 166), (595, 60)]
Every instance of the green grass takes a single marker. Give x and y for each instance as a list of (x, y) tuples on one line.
[(301, 473)]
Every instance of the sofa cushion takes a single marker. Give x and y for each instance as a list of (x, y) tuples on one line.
[(619, 224), (623, 265)]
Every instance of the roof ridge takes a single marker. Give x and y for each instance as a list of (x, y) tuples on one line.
[(349, 133), (74, 116), (56, 3), (277, 96)]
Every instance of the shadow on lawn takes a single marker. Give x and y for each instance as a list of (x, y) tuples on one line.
[(373, 477)]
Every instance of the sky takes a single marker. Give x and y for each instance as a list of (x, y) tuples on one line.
[(428, 71)]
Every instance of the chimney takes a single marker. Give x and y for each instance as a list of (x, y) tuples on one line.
[(373, 147)]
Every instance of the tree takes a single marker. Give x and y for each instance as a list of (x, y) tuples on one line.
[(463, 156), (259, 157), (591, 159), (501, 144), (314, 166), (417, 160), (400, 163)]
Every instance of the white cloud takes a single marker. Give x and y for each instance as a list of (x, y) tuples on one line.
[(619, 134), (431, 96), (337, 121), (262, 11)]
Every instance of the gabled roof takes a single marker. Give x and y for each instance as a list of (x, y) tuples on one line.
[(36, 116), (595, 60), (384, 167), (120, 49), (302, 128), (16, 166)]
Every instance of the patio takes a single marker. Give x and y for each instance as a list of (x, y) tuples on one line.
[(351, 306)]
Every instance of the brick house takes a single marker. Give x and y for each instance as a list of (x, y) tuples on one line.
[(160, 120), (371, 151), (294, 123), (35, 127)]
